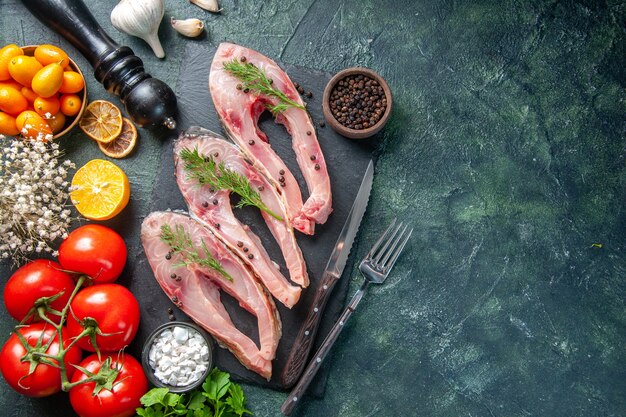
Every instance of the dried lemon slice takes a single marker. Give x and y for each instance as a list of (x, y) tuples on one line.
[(100, 190), (122, 145), (102, 121)]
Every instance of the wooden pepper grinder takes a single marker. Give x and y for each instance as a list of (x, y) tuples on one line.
[(148, 101)]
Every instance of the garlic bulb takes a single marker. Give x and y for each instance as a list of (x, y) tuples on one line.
[(140, 18), (210, 5), (188, 27)]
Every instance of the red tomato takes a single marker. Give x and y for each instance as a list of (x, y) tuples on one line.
[(45, 380), (129, 386), (36, 279), (94, 250), (116, 311)]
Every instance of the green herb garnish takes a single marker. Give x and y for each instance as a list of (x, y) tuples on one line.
[(180, 242), (219, 397), (207, 172), (254, 79)]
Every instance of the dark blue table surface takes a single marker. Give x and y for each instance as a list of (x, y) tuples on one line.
[(505, 151)]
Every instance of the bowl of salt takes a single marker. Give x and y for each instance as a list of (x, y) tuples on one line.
[(178, 356)]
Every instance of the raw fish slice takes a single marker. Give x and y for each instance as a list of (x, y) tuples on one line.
[(213, 208), (240, 111), (193, 288)]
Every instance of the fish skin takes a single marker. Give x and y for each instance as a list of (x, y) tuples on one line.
[(239, 113), (200, 200), (196, 293)]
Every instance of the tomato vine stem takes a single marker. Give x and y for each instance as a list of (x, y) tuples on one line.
[(39, 353)]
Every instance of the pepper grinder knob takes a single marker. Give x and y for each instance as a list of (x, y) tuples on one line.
[(148, 101)]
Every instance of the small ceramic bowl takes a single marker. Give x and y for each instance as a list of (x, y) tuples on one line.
[(145, 356), (71, 121), (335, 124)]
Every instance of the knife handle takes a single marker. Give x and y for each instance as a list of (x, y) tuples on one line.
[(304, 341), (309, 373)]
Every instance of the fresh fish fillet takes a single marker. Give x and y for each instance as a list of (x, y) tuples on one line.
[(240, 111), (194, 289), (213, 207)]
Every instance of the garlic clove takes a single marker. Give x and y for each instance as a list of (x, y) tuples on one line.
[(210, 5), (188, 27)]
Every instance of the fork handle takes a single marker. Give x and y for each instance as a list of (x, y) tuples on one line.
[(316, 362), (306, 336)]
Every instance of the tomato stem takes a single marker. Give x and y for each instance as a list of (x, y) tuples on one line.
[(42, 310), (38, 353)]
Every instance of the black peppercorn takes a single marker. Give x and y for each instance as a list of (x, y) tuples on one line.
[(358, 102)]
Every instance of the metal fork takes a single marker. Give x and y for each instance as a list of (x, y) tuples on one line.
[(375, 268)]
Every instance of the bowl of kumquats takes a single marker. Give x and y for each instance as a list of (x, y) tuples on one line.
[(42, 92)]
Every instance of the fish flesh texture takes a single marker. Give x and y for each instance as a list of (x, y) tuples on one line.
[(194, 288), (213, 208), (239, 112)]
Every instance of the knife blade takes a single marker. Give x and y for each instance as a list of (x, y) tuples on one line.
[(334, 268)]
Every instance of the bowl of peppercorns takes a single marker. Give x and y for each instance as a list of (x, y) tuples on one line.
[(357, 102)]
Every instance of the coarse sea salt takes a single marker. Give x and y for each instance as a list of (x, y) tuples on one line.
[(179, 356)]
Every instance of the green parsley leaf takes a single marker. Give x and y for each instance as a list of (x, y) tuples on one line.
[(154, 396), (237, 400), (171, 400), (197, 400), (216, 385)]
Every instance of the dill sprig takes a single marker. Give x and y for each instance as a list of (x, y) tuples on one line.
[(207, 172), (255, 79), (180, 242)]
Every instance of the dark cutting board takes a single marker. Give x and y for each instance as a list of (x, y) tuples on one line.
[(346, 160)]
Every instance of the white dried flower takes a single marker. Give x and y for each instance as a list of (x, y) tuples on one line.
[(33, 206)]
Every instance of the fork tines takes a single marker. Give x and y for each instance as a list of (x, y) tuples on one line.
[(394, 241)]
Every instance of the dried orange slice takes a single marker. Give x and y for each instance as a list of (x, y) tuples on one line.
[(122, 145), (100, 190), (102, 121)]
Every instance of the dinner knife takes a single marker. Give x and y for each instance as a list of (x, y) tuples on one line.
[(304, 340)]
